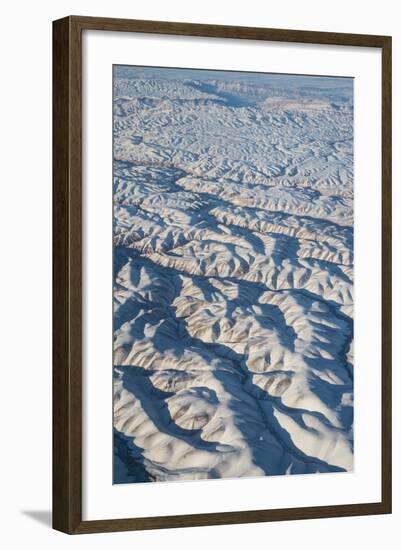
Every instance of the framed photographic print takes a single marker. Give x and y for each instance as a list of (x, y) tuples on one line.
[(222, 274)]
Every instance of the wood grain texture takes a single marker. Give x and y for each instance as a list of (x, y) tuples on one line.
[(386, 275), (67, 278), (67, 274), (225, 31)]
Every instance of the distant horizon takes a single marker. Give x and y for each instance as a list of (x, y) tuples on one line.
[(278, 79)]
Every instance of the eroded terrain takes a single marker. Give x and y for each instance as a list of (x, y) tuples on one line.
[(233, 298)]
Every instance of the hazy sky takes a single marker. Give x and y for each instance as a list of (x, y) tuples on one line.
[(267, 79)]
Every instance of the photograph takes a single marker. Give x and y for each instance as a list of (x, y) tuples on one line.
[(233, 257)]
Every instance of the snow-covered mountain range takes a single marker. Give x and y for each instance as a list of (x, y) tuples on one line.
[(233, 256)]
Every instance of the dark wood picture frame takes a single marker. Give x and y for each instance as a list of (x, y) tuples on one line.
[(67, 278)]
